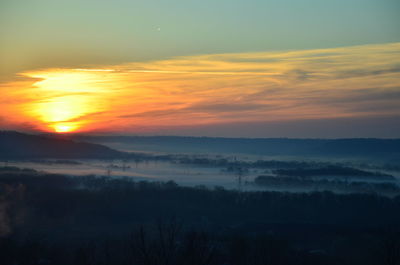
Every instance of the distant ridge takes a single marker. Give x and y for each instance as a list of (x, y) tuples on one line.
[(361, 147), (16, 145)]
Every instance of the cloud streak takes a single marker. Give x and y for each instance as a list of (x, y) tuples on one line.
[(356, 82)]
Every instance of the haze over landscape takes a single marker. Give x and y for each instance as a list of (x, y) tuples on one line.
[(257, 132)]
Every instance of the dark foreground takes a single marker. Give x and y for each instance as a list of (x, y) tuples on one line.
[(53, 219)]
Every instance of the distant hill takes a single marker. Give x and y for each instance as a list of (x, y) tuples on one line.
[(15, 145), (20, 145), (359, 147)]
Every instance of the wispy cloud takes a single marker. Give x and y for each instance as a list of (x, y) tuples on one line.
[(357, 81)]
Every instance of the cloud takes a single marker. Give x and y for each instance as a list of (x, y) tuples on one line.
[(262, 87)]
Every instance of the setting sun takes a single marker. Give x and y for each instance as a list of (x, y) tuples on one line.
[(64, 128)]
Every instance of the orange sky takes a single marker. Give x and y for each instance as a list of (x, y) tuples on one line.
[(357, 81)]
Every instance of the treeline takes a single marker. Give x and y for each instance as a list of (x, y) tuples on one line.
[(162, 244), (332, 171), (170, 244), (108, 199), (336, 185), (290, 168), (229, 163), (54, 219)]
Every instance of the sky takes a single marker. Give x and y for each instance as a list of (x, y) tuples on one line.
[(288, 68)]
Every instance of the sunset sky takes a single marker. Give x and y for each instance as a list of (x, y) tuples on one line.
[(255, 68)]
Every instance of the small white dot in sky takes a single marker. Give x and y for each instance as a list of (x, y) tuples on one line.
[(158, 29)]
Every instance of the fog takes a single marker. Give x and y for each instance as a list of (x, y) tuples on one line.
[(152, 170), (189, 173)]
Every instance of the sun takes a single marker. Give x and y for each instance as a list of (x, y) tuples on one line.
[(64, 128)]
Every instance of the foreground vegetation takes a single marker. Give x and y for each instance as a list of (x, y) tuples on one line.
[(54, 219)]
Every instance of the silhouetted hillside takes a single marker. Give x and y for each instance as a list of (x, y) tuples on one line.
[(15, 145)]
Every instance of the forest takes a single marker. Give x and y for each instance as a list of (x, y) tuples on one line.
[(56, 219)]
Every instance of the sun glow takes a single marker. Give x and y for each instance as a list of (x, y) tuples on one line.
[(68, 96), (205, 90)]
